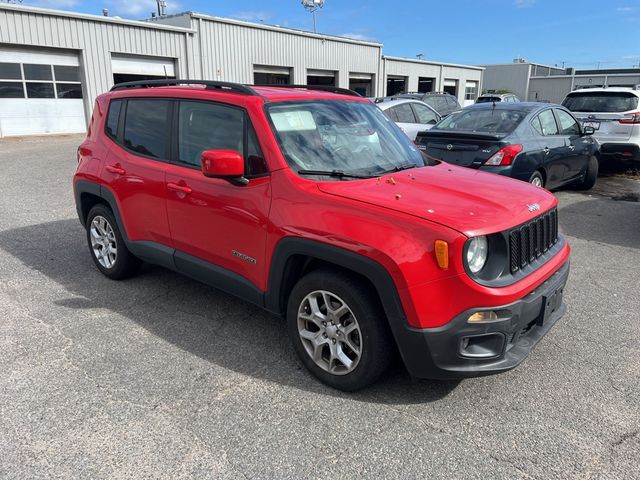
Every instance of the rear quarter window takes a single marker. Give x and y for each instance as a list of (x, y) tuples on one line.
[(603, 102)]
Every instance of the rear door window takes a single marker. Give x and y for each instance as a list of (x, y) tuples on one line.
[(146, 129), (404, 113), (602, 102)]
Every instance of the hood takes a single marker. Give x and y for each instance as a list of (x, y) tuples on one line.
[(470, 201)]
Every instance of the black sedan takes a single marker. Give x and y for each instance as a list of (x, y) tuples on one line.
[(539, 143)]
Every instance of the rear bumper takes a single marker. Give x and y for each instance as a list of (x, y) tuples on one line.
[(620, 151), (461, 349)]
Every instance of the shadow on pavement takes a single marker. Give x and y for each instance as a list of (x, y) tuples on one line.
[(194, 317), (603, 220)]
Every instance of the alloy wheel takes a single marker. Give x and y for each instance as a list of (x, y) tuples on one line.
[(329, 332), (103, 242)]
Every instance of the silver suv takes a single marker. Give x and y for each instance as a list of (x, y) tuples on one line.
[(614, 115)]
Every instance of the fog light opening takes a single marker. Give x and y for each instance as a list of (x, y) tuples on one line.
[(484, 316)]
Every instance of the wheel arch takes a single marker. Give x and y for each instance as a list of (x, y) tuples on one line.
[(88, 194), (293, 257)]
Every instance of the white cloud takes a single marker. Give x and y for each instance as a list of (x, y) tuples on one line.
[(625, 9), (358, 36), (524, 3), (253, 16)]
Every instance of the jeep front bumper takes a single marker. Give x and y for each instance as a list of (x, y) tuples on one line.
[(463, 349)]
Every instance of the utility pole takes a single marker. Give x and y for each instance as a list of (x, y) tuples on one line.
[(312, 6)]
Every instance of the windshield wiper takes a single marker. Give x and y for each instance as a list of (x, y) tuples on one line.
[(399, 168), (332, 173)]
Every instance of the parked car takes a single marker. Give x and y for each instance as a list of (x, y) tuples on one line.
[(539, 143), (442, 102), (497, 97), (614, 115), (412, 116), (316, 207)]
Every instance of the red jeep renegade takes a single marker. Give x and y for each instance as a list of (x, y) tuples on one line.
[(312, 204)]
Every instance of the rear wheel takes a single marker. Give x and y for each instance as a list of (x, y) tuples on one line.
[(537, 179), (338, 330), (106, 245), (590, 176)]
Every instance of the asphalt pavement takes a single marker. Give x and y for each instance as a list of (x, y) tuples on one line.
[(162, 377)]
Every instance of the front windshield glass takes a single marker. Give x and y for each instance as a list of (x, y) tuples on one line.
[(345, 136), (485, 120)]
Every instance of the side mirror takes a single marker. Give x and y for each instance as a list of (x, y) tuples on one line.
[(588, 131), (223, 164)]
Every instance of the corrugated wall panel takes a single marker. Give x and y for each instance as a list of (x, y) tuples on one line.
[(93, 40)]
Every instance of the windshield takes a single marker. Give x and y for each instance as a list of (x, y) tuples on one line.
[(338, 135), (603, 102), (485, 120)]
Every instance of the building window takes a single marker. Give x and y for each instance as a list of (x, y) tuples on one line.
[(471, 91), (39, 81)]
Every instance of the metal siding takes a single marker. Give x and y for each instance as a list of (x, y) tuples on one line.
[(95, 40), (233, 50), (549, 89), (511, 77)]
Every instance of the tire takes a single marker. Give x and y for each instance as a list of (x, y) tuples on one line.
[(357, 332), (106, 245), (537, 179), (590, 176)]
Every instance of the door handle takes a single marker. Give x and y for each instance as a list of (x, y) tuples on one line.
[(546, 150), (179, 188), (117, 168)]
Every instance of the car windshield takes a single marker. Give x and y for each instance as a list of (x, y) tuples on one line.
[(343, 136), (604, 102), (485, 120)]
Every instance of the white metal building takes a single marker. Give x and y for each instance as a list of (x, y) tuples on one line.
[(544, 83), (54, 63)]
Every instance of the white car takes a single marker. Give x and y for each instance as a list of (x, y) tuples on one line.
[(614, 114), (412, 116)]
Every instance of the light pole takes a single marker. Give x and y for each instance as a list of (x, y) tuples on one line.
[(312, 6)]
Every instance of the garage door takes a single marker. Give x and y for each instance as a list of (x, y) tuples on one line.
[(129, 68), (40, 92)]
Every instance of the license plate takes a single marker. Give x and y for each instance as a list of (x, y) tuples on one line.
[(551, 304), (594, 125)]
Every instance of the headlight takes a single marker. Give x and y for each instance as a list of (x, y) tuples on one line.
[(477, 253)]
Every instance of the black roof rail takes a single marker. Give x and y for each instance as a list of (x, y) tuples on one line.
[(209, 84), (324, 88)]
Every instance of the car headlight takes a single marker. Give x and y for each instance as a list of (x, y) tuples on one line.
[(477, 251)]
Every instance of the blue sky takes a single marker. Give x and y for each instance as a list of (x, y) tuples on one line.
[(580, 33)]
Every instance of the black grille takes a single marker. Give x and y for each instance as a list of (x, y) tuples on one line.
[(531, 240)]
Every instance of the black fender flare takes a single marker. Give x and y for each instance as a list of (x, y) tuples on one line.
[(375, 272), (86, 186)]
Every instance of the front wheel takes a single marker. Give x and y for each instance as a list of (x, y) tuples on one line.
[(338, 331)]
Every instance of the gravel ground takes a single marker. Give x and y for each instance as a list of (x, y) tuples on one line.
[(162, 377)]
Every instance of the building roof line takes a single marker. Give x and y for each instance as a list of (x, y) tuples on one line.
[(432, 62), (93, 18), (277, 28)]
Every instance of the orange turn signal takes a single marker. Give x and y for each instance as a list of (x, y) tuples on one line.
[(442, 254)]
